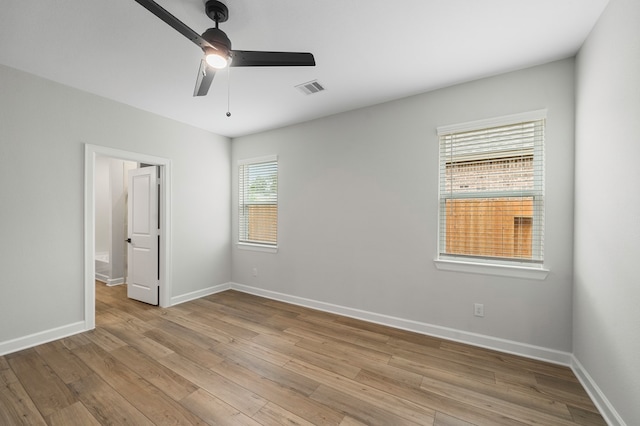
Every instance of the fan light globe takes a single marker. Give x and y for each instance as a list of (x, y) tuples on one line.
[(216, 61)]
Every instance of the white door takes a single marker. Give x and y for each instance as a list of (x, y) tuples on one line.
[(142, 257)]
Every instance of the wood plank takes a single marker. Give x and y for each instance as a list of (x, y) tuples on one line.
[(148, 399), (246, 401), (444, 404), (274, 415), (363, 411), (74, 414), (523, 414), (214, 411), (105, 404), (396, 406), (447, 420), (45, 388), (16, 407), (63, 362), (266, 369), (171, 383), (285, 397)]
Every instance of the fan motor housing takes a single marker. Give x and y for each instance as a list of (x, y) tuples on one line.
[(217, 38)]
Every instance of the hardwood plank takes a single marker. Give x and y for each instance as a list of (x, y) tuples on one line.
[(287, 398), (329, 363), (134, 339), (274, 415), (444, 404), (63, 362), (148, 399), (105, 404), (424, 365), (266, 369), (396, 406), (47, 391), (586, 417), (366, 412), (524, 397), (104, 339), (215, 411), (171, 383), (447, 420), (74, 414), (184, 348), (476, 399), (230, 392), (16, 407)]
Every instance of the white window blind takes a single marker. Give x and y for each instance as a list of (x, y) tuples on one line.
[(258, 199), (492, 191)]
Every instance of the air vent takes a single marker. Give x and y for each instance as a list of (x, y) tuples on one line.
[(310, 87)]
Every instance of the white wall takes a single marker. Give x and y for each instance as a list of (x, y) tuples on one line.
[(43, 129), (358, 208), (607, 221)]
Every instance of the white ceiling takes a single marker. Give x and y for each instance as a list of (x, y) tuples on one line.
[(367, 51)]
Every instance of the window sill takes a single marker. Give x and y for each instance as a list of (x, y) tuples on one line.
[(515, 271), (257, 247)]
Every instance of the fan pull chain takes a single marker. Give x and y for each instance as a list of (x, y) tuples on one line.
[(228, 91)]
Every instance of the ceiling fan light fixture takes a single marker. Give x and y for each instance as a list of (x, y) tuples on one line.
[(216, 59)]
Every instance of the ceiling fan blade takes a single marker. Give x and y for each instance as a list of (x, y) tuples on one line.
[(249, 58), (175, 23), (205, 77)]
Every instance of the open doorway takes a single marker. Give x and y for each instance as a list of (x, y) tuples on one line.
[(93, 154)]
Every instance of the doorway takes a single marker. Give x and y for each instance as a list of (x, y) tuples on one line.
[(164, 166)]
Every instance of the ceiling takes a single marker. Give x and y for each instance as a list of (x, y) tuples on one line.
[(367, 52)]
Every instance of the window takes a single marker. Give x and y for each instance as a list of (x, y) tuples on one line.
[(492, 190), (258, 199)]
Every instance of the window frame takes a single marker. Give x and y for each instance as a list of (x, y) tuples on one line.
[(249, 244), (511, 267)]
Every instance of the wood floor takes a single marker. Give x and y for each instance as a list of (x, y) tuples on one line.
[(238, 359)]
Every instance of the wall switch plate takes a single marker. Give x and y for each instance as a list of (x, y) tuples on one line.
[(478, 309), (255, 272)]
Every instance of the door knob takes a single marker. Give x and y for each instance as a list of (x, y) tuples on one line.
[(128, 240)]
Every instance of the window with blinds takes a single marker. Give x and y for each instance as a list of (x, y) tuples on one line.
[(492, 189), (258, 199)]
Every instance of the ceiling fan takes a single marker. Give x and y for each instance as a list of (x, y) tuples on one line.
[(217, 47)]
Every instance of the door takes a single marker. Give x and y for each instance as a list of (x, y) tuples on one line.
[(143, 233)]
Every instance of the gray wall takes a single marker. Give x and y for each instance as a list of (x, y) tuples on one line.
[(43, 129), (358, 199), (607, 221)]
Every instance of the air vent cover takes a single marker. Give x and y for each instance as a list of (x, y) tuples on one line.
[(310, 87)]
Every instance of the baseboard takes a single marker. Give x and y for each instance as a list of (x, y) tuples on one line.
[(102, 277), (41, 337), (109, 281), (199, 293), (115, 281), (598, 397), (480, 340)]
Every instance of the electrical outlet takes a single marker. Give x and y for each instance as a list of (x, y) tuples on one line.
[(478, 309), (255, 272)]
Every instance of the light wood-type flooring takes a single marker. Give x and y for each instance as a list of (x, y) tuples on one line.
[(238, 359)]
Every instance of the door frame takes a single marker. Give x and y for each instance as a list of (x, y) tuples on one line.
[(164, 164)]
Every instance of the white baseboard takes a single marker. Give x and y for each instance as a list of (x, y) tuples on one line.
[(115, 281), (609, 413), (488, 342), (42, 337), (102, 277), (199, 293), (109, 281)]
